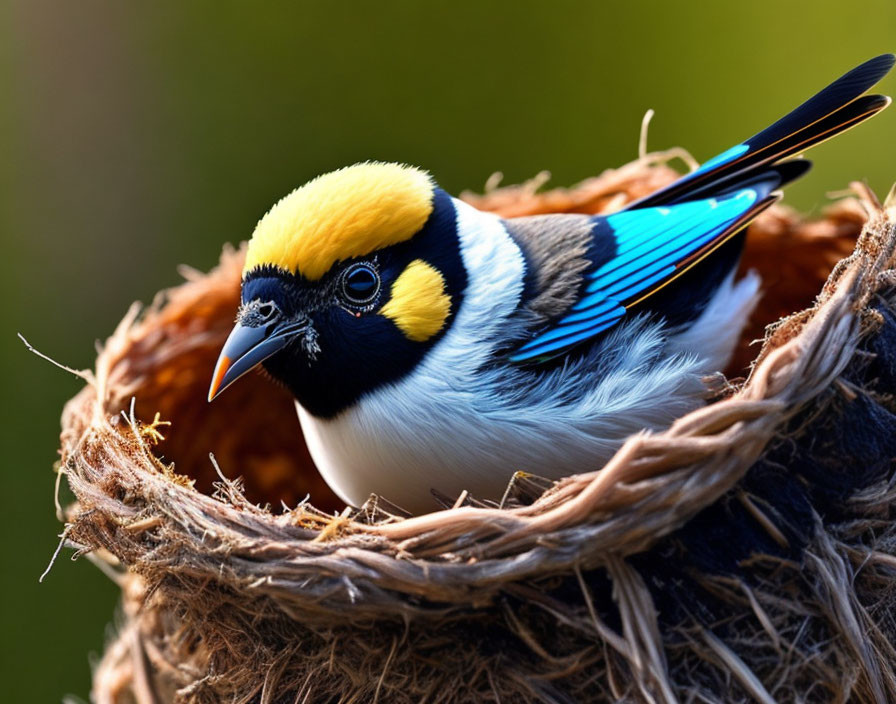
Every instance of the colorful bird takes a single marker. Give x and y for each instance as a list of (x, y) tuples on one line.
[(434, 347)]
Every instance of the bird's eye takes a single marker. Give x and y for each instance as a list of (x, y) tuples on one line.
[(360, 284), (266, 311)]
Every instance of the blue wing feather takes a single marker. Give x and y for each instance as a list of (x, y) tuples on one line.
[(651, 245)]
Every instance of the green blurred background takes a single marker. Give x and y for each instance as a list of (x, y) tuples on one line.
[(137, 136)]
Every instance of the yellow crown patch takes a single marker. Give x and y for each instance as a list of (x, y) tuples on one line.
[(346, 213)]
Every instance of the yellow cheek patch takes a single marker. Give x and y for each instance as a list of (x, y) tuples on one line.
[(419, 305), (347, 213)]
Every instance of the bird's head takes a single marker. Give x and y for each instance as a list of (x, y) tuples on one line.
[(348, 281)]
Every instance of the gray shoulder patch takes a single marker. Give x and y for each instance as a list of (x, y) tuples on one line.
[(554, 247)]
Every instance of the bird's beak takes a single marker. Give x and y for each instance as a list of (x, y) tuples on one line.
[(245, 349)]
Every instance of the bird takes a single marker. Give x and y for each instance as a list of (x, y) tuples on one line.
[(433, 348)]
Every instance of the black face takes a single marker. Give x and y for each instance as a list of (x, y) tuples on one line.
[(340, 347)]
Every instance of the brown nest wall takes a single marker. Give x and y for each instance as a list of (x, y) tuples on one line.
[(745, 554)]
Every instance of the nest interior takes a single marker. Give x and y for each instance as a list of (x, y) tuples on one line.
[(745, 554)]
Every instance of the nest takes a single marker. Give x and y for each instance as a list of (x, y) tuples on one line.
[(747, 553)]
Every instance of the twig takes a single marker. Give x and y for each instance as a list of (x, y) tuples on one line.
[(80, 373)]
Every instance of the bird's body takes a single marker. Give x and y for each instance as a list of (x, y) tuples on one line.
[(434, 347), (463, 419)]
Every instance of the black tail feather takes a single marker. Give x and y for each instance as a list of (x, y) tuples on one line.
[(833, 110)]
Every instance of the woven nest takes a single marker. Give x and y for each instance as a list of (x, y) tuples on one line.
[(745, 554)]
